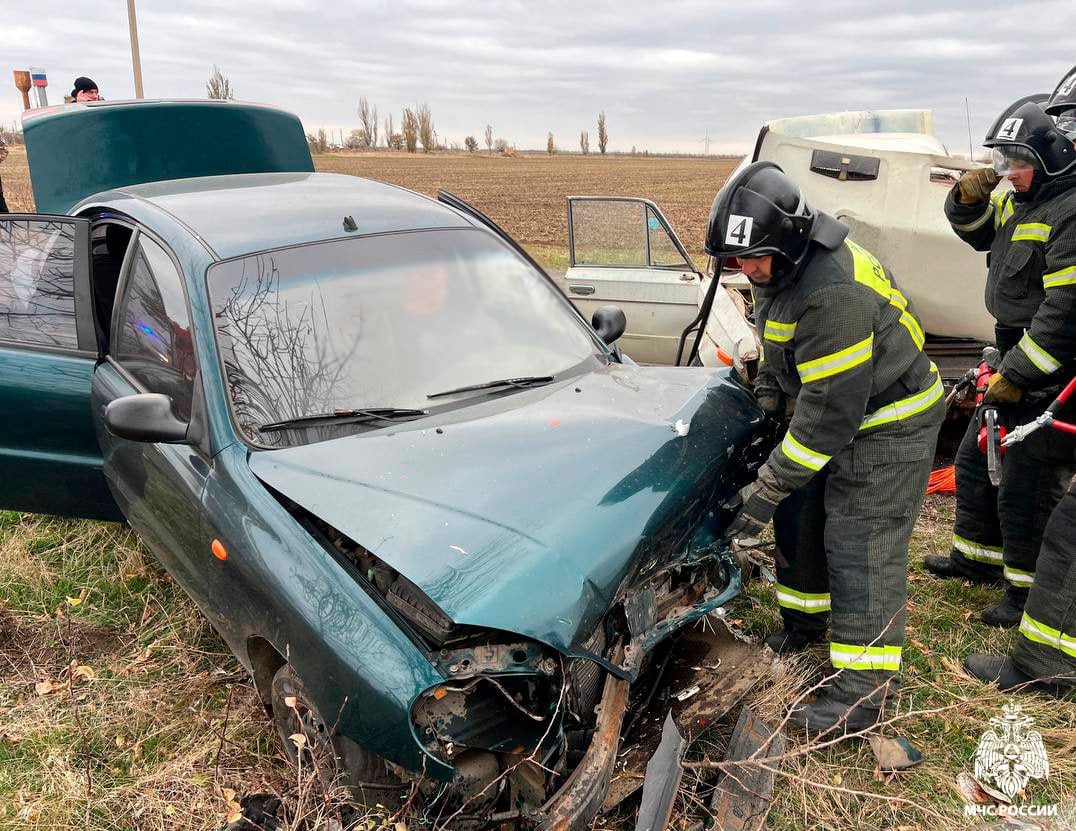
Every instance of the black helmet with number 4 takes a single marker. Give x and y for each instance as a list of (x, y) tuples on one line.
[(1062, 104), (761, 212), (1027, 134)]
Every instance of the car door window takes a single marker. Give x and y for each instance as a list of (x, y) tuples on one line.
[(608, 232), (663, 250), (152, 339), (37, 282)]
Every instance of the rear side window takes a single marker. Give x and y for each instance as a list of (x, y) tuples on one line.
[(37, 282), (153, 330)]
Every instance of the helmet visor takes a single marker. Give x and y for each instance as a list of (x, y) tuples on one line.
[(1066, 123), (1012, 158)]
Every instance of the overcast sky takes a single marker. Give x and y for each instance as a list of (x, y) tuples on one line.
[(665, 73)]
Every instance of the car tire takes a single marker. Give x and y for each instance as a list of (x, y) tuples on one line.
[(338, 758)]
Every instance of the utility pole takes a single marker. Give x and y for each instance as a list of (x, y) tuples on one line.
[(136, 60)]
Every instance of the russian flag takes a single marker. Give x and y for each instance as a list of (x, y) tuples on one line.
[(37, 77)]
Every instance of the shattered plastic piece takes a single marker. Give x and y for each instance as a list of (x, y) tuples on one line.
[(744, 795), (663, 774), (681, 427), (973, 791), (685, 694), (894, 754)]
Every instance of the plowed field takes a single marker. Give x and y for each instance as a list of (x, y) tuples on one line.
[(524, 194)]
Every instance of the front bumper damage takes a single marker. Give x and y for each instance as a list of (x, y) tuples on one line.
[(580, 798)]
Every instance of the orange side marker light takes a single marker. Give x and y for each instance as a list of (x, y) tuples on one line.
[(724, 357), (218, 549)]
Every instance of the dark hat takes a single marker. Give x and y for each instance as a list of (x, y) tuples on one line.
[(82, 84)]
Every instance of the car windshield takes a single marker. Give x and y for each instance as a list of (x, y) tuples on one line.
[(383, 322)]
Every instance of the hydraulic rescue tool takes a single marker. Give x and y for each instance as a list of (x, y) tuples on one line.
[(1047, 419), (991, 431)]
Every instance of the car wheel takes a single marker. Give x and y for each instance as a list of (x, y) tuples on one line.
[(338, 759)]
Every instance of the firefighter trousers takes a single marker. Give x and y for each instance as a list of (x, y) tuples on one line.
[(845, 539), (1046, 645), (998, 530)]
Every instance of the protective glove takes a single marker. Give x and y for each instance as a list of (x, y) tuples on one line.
[(759, 500), (1000, 390), (976, 185), (771, 401)]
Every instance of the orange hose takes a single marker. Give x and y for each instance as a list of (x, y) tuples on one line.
[(942, 480)]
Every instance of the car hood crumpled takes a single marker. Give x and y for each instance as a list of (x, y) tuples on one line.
[(526, 514)]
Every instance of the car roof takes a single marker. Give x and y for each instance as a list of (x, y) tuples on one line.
[(241, 214)]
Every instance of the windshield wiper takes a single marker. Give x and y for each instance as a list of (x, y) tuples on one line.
[(345, 416), (518, 383)]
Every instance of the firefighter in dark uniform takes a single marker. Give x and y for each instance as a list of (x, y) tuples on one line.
[(1030, 233), (1043, 659), (842, 343)]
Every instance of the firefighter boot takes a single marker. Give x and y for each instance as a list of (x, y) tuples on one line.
[(945, 566), (826, 713), (1007, 611), (1000, 670), (789, 641)]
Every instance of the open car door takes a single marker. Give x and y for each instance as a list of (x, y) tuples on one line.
[(623, 251), (50, 461)]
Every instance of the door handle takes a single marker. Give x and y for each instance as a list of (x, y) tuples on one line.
[(576, 288), (687, 278)]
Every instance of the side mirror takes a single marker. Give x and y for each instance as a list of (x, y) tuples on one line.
[(609, 322), (146, 417)]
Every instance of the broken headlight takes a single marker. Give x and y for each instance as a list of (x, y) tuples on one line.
[(502, 698)]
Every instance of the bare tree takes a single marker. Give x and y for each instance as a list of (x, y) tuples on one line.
[(426, 133), (550, 147), (218, 87), (603, 136), (409, 130), (278, 361), (389, 130), (396, 141), (584, 142), (501, 145), (471, 143), (323, 140), (489, 138), (367, 123), (355, 140)]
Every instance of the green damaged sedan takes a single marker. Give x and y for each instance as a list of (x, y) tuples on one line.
[(436, 513)]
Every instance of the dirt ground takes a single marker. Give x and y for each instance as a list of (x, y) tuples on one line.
[(525, 194)]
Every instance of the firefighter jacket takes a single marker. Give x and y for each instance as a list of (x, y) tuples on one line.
[(1031, 277), (841, 340)]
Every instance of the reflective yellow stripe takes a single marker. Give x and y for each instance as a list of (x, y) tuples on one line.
[(904, 408), (978, 223), (1041, 633), (1031, 232), (869, 272), (829, 365), (1003, 209), (801, 454), (1064, 277), (853, 656), (779, 332), (802, 601), (1042, 359), (1018, 577), (990, 554)]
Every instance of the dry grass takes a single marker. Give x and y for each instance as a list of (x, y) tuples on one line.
[(16, 178)]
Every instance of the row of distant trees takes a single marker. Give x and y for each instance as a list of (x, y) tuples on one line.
[(416, 128)]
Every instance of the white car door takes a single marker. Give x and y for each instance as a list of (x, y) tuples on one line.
[(623, 251)]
